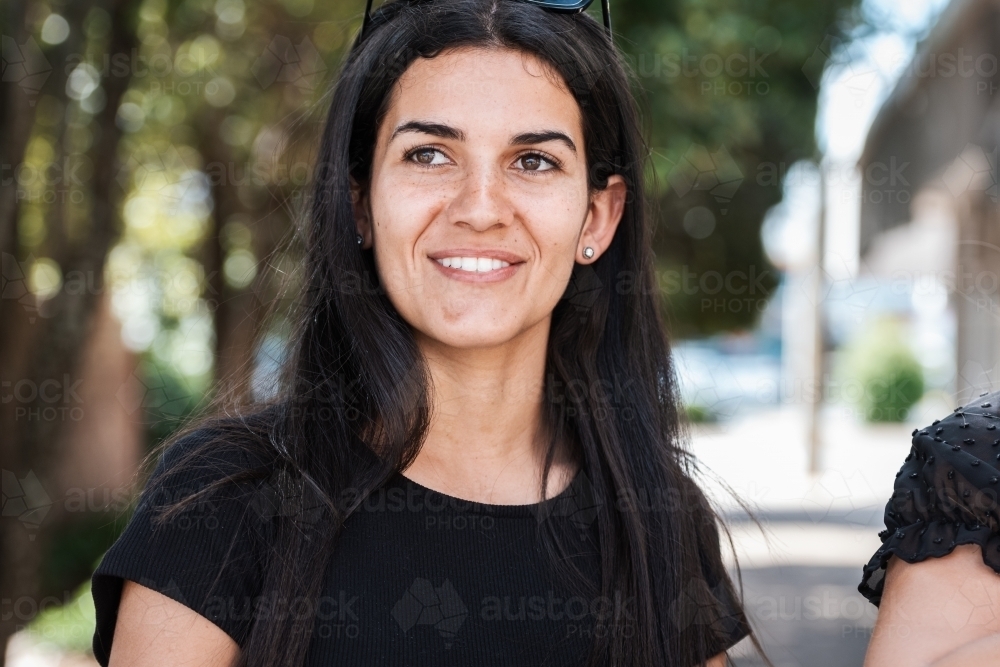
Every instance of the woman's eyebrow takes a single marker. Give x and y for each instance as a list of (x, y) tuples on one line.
[(449, 132), (541, 137), (435, 129)]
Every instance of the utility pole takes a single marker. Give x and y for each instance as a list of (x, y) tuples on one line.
[(814, 437)]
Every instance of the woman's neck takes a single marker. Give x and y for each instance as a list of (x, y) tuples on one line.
[(486, 441)]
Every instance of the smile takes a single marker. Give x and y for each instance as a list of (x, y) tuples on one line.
[(477, 268), (473, 264)]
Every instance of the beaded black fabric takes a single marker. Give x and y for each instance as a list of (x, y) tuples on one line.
[(945, 494)]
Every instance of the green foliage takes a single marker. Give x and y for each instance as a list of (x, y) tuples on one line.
[(888, 377), (699, 414), (730, 90), (74, 546), (69, 626), (171, 398)]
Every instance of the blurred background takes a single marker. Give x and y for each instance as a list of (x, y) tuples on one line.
[(826, 182)]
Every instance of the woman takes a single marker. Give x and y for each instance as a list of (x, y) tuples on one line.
[(475, 456), (939, 598)]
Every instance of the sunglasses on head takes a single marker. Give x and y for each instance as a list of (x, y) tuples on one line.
[(561, 6)]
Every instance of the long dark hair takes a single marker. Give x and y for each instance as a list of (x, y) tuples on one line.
[(353, 402)]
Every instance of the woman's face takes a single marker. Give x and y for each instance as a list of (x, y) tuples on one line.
[(478, 205)]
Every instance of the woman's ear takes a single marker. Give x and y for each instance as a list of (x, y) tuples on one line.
[(606, 207), (362, 212)]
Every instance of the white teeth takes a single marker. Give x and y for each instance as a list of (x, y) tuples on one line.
[(473, 264)]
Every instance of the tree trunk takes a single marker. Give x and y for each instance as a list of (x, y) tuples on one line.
[(236, 319), (46, 348), (17, 113)]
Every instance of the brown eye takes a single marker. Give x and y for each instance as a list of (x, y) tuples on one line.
[(425, 156), (535, 162)]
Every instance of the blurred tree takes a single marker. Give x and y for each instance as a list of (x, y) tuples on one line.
[(731, 89), (41, 338)]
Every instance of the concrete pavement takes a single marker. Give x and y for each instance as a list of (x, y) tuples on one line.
[(800, 574)]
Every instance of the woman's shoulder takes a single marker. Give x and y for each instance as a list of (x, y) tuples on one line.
[(962, 448), (199, 534), (203, 490), (981, 412), (946, 492), (216, 449)]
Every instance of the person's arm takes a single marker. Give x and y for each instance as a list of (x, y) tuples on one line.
[(717, 661), (936, 612), (155, 631), (984, 652)]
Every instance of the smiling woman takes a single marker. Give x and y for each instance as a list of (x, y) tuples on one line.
[(476, 457)]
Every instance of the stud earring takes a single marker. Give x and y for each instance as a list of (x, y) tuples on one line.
[(588, 252), (361, 239)]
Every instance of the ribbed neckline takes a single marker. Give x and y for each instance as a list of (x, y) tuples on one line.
[(538, 510)]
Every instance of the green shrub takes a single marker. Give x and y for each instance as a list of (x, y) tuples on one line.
[(70, 626), (887, 378), (699, 414)]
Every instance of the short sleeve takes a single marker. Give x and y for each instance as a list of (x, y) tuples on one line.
[(731, 625), (711, 604), (945, 493), (209, 557), (708, 610)]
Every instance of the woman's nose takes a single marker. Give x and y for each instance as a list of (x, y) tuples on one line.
[(481, 200)]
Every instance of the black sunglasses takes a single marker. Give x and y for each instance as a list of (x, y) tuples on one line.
[(562, 6)]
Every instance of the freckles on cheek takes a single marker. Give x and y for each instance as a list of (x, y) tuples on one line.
[(408, 201), (564, 212), (560, 230)]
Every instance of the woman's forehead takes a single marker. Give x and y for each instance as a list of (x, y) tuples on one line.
[(484, 90)]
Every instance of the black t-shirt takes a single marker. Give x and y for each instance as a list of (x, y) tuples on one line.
[(945, 493), (417, 577)]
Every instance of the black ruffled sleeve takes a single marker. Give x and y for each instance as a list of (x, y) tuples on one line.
[(945, 494), (210, 557)]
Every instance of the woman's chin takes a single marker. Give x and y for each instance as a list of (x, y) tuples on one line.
[(470, 335)]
